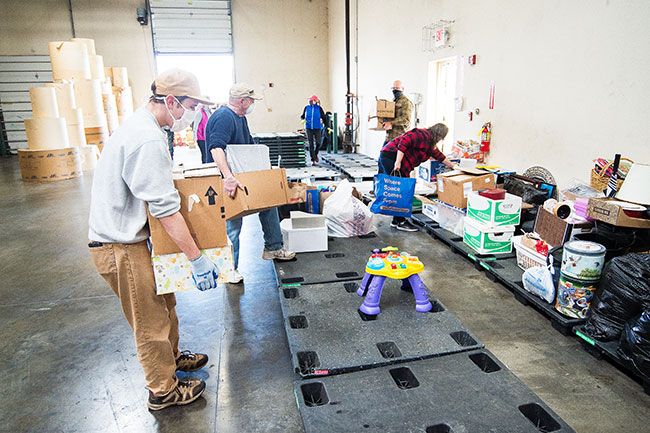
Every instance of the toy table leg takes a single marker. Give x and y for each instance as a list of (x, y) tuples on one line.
[(406, 285), (367, 278), (422, 303), (370, 304)]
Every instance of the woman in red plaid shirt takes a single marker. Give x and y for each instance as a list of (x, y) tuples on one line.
[(406, 152)]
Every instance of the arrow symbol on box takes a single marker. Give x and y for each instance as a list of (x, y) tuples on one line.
[(211, 194)]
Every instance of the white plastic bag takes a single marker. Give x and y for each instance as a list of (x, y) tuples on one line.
[(539, 281), (345, 214)]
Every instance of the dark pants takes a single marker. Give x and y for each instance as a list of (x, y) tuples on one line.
[(386, 164), (314, 137)]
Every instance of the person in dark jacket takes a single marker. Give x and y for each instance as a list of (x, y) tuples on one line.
[(314, 118)]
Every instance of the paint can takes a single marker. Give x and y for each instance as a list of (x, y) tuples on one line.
[(574, 297), (583, 260)]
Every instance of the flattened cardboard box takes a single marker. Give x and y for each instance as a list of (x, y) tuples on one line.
[(206, 219), (263, 189), (455, 186)]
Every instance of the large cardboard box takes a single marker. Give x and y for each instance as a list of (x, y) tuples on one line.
[(380, 124), (455, 186), (263, 189), (488, 240), (202, 206), (611, 212), (385, 108), (494, 213)]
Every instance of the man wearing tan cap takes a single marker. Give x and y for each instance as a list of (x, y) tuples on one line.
[(133, 174), (228, 126)]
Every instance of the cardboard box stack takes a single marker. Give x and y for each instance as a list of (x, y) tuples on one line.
[(385, 110), (49, 156), (490, 224)]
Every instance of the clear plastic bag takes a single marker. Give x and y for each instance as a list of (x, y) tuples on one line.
[(539, 281), (345, 214)]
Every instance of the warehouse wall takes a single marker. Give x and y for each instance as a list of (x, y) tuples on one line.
[(27, 27), (571, 77), (284, 42)]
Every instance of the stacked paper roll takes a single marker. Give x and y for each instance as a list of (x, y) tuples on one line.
[(88, 43), (49, 165), (70, 60), (120, 76), (97, 68), (46, 133), (108, 73), (74, 121), (89, 155), (124, 99), (64, 95), (110, 108), (88, 94), (44, 103), (68, 109)]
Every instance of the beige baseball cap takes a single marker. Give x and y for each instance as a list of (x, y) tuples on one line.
[(243, 90), (178, 82)]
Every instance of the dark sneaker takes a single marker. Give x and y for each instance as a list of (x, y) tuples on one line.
[(185, 393), (188, 361), (405, 226)]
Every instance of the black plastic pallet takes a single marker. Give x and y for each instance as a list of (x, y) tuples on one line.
[(609, 350), (466, 392), (508, 273), (327, 334), (502, 268), (344, 260)]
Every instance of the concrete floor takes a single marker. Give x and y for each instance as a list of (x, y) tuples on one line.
[(67, 362)]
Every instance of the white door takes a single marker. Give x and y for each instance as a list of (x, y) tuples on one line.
[(442, 98)]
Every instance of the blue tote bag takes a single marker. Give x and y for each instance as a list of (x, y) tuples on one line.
[(394, 195)]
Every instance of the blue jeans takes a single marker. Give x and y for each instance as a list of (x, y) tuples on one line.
[(270, 221)]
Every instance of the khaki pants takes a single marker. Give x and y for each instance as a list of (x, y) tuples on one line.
[(127, 269)]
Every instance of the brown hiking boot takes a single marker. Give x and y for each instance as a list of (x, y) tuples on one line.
[(188, 361), (185, 392)]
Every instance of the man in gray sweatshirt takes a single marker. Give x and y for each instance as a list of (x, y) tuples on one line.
[(134, 173)]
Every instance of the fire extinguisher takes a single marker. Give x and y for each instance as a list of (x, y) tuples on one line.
[(486, 137)]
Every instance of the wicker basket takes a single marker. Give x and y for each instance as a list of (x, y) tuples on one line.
[(527, 258), (600, 180)]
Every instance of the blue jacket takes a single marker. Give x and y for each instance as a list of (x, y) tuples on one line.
[(314, 116)]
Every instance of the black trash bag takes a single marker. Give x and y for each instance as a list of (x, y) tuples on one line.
[(526, 191), (635, 344), (624, 292)]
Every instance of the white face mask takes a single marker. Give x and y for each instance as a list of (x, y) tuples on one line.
[(250, 108), (186, 119)]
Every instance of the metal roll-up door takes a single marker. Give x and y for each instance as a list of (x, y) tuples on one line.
[(191, 26), (18, 74)]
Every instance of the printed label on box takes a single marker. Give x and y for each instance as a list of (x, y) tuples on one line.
[(173, 272), (467, 188)]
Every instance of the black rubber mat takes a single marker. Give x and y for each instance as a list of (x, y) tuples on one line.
[(327, 334), (465, 392), (344, 260)]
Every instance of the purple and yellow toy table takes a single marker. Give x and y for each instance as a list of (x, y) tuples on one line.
[(388, 263)]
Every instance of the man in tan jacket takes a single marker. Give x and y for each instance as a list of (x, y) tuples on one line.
[(403, 112)]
